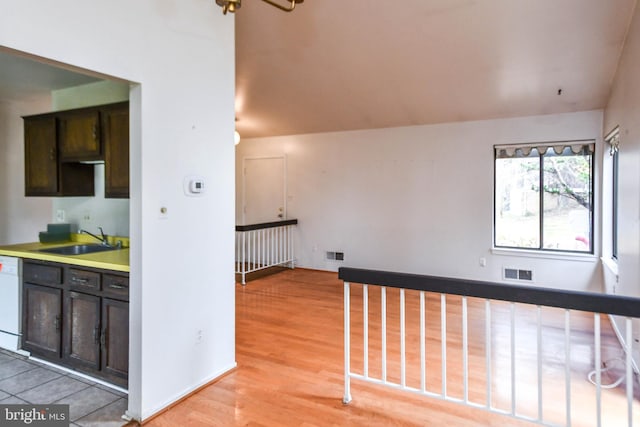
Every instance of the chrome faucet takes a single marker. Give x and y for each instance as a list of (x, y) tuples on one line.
[(102, 239)]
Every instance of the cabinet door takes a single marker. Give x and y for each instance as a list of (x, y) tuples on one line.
[(82, 330), (42, 320), (45, 175), (41, 162), (115, 131), (115, 336), (79, 135)]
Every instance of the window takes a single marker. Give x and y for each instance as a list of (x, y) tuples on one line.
[(613, 139), (544, 196)]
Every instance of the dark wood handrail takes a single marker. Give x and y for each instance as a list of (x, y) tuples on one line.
[(262, 225), (573, 300)]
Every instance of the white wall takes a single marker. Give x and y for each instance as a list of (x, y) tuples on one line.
[(89, 213), (181, 53), (20, 217), (623, 110), (415, 199)]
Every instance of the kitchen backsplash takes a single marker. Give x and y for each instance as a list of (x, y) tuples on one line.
[(90, 213)]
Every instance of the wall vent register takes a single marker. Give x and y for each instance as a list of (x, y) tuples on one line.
[(335, 256), (517, 274)]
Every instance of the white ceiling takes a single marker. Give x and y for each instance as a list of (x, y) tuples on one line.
[(333, 65), (23, 79)]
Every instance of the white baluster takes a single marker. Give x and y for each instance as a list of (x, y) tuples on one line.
[(443, 341), (347, 345), (403, 361), (365, 326), (423, 355)]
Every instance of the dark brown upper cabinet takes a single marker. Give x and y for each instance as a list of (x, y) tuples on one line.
[(79, 135), (44, 174), (41, 156), (115, 135), (57, 145)]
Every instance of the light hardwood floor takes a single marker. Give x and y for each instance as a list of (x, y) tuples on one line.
[(290, 364)]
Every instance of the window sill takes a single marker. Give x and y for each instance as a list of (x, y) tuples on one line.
[(563, 256), (611, 265)]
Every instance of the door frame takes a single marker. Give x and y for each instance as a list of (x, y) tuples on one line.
[(244, 183)]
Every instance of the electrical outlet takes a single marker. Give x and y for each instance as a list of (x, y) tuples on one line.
[(60, 215), (199, 336), (87, 216)]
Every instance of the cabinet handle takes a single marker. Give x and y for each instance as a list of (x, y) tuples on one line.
[(56, 322), (80, 281), (96, 335), (117, 286), (103, 338), (52, 154), (95, 131)]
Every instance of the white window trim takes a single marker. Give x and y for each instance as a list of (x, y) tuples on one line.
[(546, 254), (612, 141), (610, 264)]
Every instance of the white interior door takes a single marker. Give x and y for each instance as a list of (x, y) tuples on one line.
[(264, 190)]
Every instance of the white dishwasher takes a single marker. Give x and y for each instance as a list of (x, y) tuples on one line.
[(10, 302)]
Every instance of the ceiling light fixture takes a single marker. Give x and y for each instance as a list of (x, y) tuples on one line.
[(233, 5)]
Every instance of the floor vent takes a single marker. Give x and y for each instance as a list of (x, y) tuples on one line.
[(335, 256), (517, 274)]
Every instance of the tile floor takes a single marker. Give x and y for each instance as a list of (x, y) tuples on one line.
[(91, 404)]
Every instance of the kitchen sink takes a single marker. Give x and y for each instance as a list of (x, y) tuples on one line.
[(78, 249)]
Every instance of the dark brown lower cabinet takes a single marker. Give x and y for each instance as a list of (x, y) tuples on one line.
[(42, 320), (82, 340), (82, 327), (115, 350)]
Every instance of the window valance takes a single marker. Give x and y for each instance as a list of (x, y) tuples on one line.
[(613, 139), (541, 148)]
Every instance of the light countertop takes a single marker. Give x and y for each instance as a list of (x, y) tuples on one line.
[(117, 259)]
